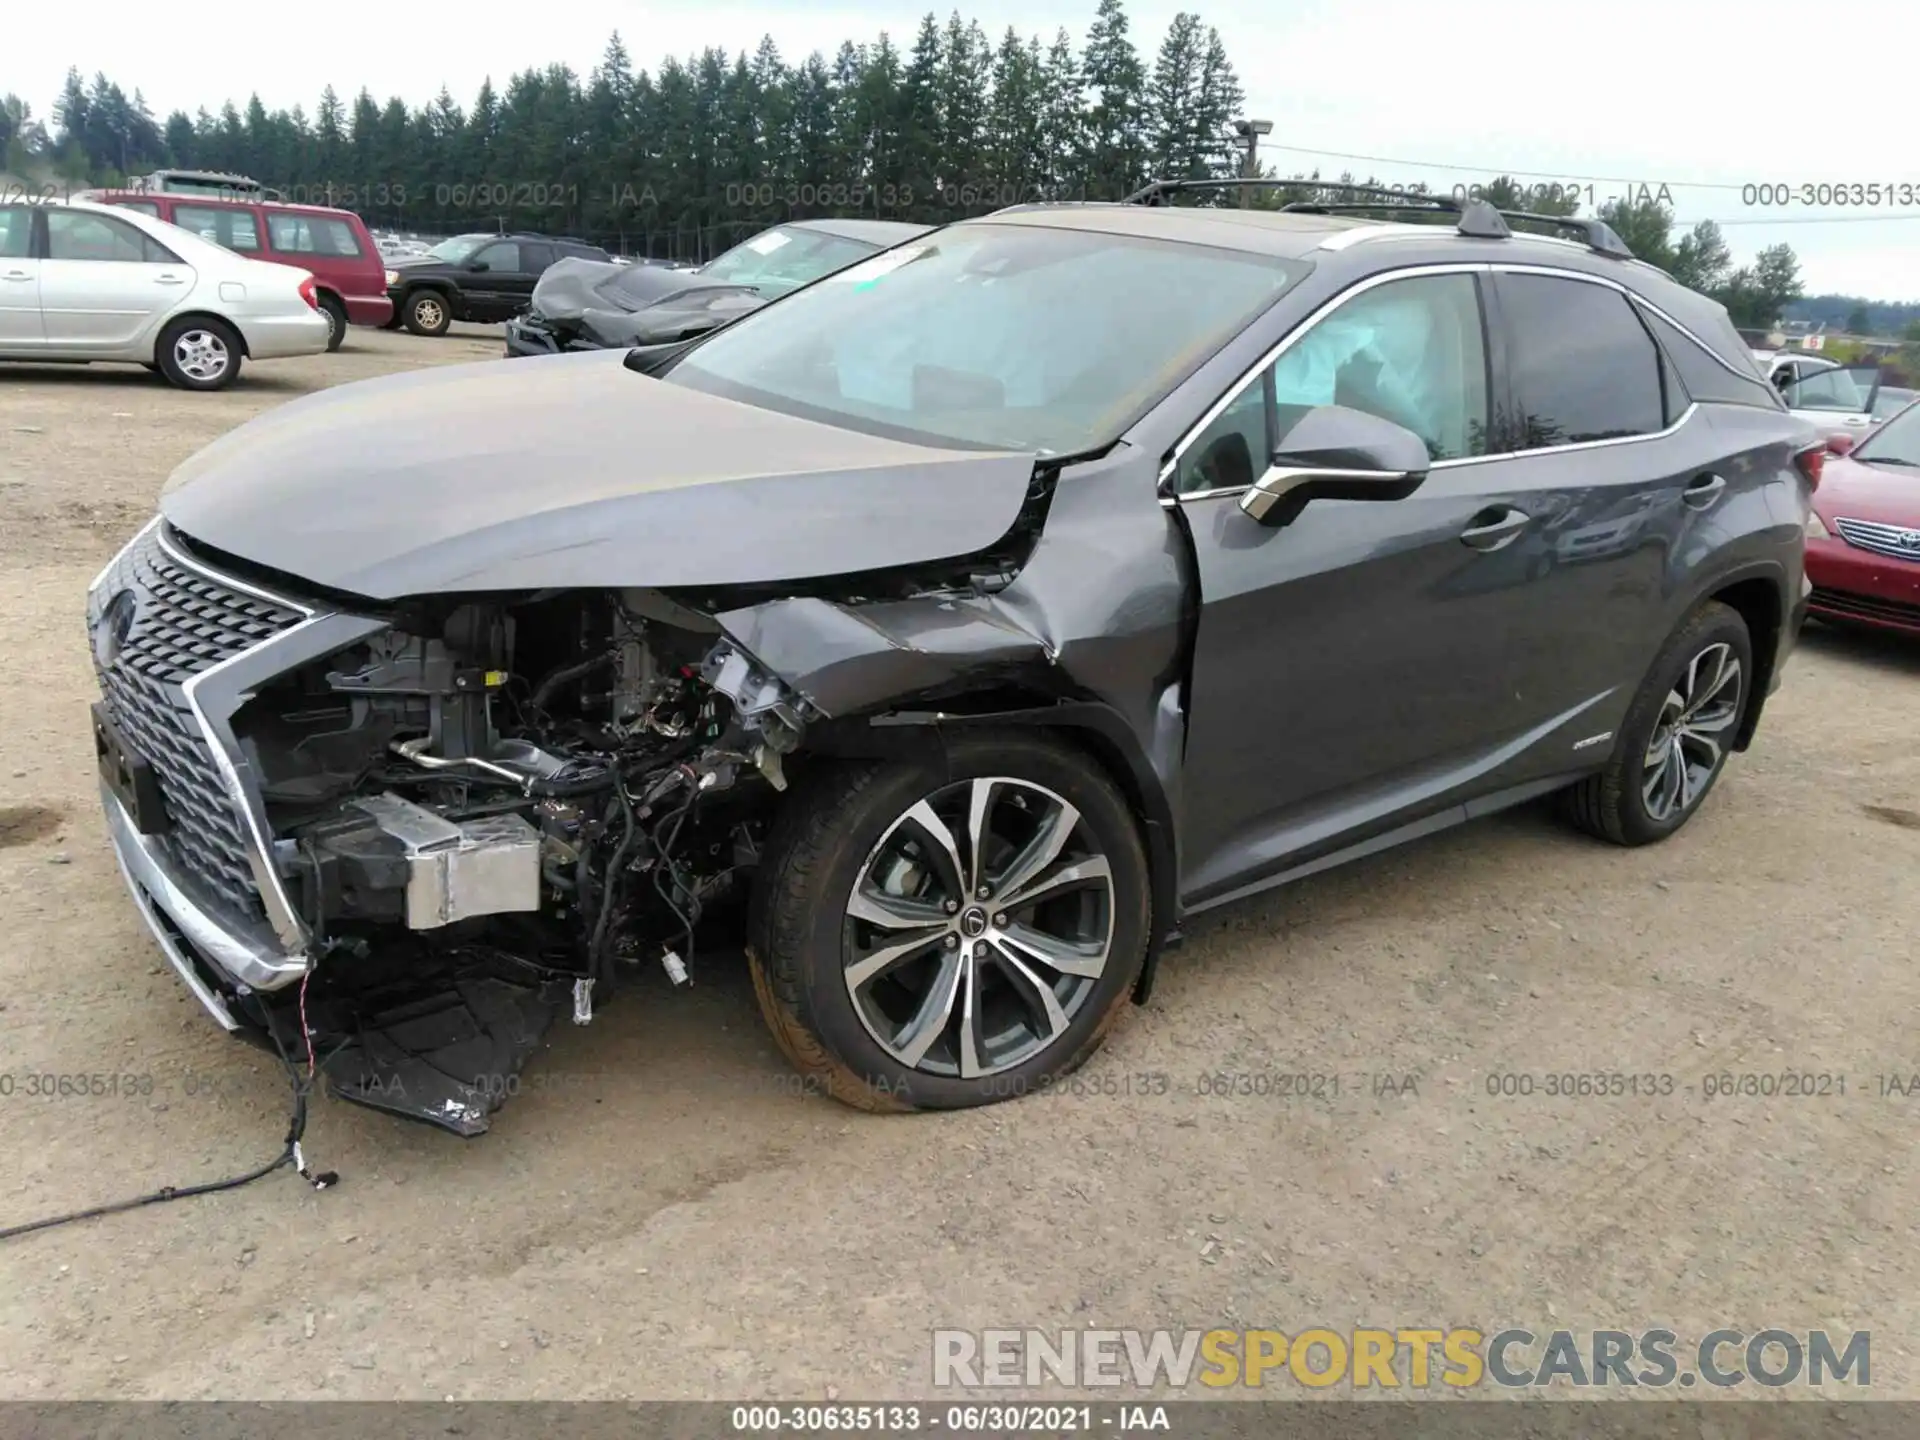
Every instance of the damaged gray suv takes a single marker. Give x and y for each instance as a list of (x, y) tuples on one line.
[(962, 624)]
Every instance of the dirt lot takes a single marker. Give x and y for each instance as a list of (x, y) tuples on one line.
[(659, 1216)]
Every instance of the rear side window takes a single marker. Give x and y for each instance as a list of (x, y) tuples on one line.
[(316, 235), (1583, 366), (235, 229), (80, 235), (16, 232), (1705, 377), (144, 207)]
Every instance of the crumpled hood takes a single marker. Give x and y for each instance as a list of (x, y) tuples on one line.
[(573, 470)]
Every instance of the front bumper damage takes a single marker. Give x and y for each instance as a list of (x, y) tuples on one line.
[(446, 1045)]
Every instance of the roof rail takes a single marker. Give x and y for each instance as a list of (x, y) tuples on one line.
[(1476, 217)]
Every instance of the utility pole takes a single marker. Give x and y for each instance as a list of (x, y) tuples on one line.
[(1250, 132)]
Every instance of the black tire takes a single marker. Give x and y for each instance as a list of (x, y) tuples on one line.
[(427, 312), (1614, 804), (189, 349), (336, 314), (801, 936)]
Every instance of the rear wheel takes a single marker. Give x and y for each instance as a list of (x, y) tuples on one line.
[(427, 312), (198, 354), (1677, 735), (336, 314), (934, 934)]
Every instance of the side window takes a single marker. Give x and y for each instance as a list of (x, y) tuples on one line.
[(235, 229), (16, 232), (1584, 368), (535, 258), (317, 235), (144, 207), (1705, 378), (1411, 351), (80, 235), (503, 257)]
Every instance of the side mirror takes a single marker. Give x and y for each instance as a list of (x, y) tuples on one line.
[(1840, 444), (477, 265), (1334, 453)]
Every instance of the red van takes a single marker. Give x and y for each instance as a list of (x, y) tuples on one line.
[(333, 245)]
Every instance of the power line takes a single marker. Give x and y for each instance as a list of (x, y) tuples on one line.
[(1494, 170), (1814, 220)]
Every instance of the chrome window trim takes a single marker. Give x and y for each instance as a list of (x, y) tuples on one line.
[(1505, 267)]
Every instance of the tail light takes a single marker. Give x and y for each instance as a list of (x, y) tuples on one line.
[(309, 293), (1811, 462)]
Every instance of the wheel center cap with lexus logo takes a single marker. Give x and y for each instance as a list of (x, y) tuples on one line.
[(973, 923), (116, 623)]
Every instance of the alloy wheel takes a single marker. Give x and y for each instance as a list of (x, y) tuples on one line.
[(201, 355), (1691, 737), (978, 928), (427, 313)]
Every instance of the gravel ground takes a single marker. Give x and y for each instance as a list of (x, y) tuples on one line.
[(660, 1215)]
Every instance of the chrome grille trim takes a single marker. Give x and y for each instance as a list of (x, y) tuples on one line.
[(1880, 539), (194, 623)]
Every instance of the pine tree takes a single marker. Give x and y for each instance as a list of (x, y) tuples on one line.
[(1117, 149)]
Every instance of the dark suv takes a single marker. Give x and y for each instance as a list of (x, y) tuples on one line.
[(977, 615), (479, 278)]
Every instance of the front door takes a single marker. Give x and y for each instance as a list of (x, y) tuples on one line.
[(497, 286), (20, 327), (103, 282), (1348, 666)]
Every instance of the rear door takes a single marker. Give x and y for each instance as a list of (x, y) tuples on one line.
[(1348, 667), (104, 284), (1612, 466), (20, 326)]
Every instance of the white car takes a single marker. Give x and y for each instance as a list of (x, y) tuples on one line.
[(82, 282)]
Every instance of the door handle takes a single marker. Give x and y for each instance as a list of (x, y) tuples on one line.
[(169, 280), (1495, 528), (1703, 490), (18, 275)]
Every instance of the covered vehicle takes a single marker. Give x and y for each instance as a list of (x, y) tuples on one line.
[(584, 305)]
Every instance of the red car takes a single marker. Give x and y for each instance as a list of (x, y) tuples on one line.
[(1863, 540), (331, 244)]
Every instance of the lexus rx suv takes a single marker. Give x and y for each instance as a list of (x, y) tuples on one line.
[(964, 623)]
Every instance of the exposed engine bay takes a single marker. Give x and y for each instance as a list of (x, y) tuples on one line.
[(519, 800)]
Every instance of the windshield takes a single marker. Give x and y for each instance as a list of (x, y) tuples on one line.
[(784, 258), (1005, 335), (1850, 390), (1895, 443), (458, 248)]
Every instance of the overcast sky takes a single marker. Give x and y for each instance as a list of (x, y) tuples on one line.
[(1630, 93)]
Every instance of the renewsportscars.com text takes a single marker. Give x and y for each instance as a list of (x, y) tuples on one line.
[(1414, 1357)]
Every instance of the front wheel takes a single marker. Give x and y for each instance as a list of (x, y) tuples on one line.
[(934, 934), (427, 313), (1677, 735)]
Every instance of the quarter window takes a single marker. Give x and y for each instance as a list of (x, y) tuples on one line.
[(1705, 378), (235, 229), (1411, 351), (142, 207), (81, 235), (1584, 367), (312, 235)]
